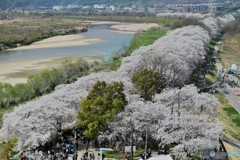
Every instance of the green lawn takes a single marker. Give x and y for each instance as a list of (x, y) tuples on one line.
[(146, 38), (233, 114), (229, 117)]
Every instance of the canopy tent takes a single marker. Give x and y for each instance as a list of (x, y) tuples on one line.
[(234, 66), (233, 69)]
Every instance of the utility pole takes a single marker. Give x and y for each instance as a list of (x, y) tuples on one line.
[(132, 144), (179, 104), (145, 157)]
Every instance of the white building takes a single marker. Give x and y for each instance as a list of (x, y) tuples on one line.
[(97, 6), (112, 8), (58, 8), (134, 6), (72, 6)]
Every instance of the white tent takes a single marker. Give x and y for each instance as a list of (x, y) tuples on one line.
[(234, 66), (161, 157)]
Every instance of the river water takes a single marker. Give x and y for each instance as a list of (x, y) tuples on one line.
[(102, 50)]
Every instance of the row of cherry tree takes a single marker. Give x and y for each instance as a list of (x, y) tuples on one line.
[(180, 117), (174, 57)]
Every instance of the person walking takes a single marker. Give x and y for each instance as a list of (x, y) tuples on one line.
[(24, 156), (93, 156)]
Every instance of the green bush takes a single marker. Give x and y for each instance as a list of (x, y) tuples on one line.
[(148, 83)]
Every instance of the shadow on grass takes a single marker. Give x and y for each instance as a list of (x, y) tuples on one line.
[(231, 111), (233, 114)]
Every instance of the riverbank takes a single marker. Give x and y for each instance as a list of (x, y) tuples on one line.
[(79, 40), (22, 32), (18, 71)]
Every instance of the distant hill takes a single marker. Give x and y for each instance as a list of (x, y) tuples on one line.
[(49, 3)]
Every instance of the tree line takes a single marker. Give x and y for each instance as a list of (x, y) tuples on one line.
[(34, 29), (42, 83)]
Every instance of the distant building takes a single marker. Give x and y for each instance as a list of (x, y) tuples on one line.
[(151, 9), (58, 8), (97, 6), (86, 7), (203, 8), (140, 9), (128, 9), (134, 6), (187, 9), (214, 9), (112, 8), (72, 6)]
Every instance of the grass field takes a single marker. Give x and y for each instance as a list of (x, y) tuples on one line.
[(229, 117), (147, 38), (230, 49)]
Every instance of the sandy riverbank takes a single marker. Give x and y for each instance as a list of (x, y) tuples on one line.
[(133, 27), (103, 22), (61, 41), (80, 40), (17, 71), (14, 72)]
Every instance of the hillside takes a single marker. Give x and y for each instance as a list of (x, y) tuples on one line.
[(49, 3)]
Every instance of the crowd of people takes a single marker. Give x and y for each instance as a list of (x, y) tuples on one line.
[(146, 155), (50, 155), (65, 146)]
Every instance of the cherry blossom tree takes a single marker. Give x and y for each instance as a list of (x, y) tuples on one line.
[(167, 126), (174, 56), (215, 24), (182, 15)]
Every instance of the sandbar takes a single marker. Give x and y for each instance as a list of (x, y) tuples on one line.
[(133, 27), (103, 22), (60, 41)]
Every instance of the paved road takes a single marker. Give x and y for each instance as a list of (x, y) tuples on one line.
[(233, 98)]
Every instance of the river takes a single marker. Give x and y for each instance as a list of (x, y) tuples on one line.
[(102, 50)]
